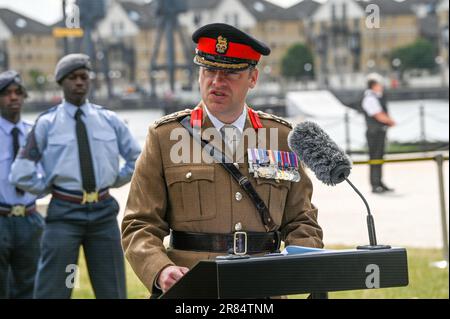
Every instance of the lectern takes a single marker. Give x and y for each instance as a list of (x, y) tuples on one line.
[(276, 275)]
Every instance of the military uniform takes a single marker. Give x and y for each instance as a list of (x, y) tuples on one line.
[(204, 198), (78, 216), (205, 204), (20, 224)]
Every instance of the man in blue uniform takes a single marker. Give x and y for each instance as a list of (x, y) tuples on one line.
[(20, 225), (78, 144)]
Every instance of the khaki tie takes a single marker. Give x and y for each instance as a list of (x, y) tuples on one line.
[(231, 136)]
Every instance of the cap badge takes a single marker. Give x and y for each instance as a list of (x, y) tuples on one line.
[(221, 45)]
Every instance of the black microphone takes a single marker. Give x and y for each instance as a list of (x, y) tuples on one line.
[(329, 163)]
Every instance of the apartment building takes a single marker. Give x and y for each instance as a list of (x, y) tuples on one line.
[(28, 47)]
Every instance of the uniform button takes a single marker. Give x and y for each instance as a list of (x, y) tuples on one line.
[(238, 226), (188, 175), (238, 196)]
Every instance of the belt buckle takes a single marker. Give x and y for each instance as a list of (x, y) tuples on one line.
[(18, 210), (240, 243), (89, 197)]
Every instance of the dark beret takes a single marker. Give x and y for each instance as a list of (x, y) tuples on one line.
[(10, 77), (223, 46), (70, 63)]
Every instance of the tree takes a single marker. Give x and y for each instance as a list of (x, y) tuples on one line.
[(418, 55), (298, 62), (38, 79)]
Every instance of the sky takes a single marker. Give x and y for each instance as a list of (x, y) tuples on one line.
[(50, 11)]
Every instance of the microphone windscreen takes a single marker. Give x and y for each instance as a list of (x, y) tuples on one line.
[(320, 153)]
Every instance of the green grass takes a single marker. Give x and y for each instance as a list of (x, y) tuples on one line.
[(413, 147), (397, 147), (425, 281), (135, 289)]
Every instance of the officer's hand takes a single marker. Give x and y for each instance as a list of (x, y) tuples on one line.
[(170, 275)]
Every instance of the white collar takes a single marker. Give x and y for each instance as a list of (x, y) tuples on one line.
[(239, 123)]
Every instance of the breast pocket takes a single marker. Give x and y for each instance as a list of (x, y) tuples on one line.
[(106, 153), (57, 144), (5, 164), (58, 153), (60, 140), (106, 140), (191, 193), (274, 194)]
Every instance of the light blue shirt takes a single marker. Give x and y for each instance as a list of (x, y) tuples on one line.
[(56, 141), (8, 194)]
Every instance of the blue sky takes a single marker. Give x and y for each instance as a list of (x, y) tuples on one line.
[(49, 11)]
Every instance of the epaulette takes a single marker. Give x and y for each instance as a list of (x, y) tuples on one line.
[(49, 110), (28, 123), (172, 117), (267, 116), (99, 107)]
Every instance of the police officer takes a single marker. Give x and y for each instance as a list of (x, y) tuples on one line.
[(201, 203), (378, 120), (20, 224), (78, 144)]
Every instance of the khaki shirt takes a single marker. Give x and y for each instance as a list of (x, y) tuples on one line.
[(202, 198)]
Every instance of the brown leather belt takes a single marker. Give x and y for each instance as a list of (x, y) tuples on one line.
[(80, 197), (17, 210), (239, 242)]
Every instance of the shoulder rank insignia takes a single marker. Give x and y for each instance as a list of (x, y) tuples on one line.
[(275, 118), (270, 164), (171, 117)]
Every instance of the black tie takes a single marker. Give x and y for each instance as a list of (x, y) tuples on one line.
[(15, 134), (84, 152)]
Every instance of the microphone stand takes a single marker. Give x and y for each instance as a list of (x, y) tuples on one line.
[(370, 225)]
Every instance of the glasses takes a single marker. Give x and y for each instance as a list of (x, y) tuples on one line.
[(230, 75)]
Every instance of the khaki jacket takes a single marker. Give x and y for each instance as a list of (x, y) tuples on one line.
[(201, 197)]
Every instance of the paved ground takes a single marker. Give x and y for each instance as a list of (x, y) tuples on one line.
[(409, 217)]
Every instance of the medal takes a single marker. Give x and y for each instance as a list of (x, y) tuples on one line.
[(272, 164), (250, 160)]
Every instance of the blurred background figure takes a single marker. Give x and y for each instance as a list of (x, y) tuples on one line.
[(378, 120)]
